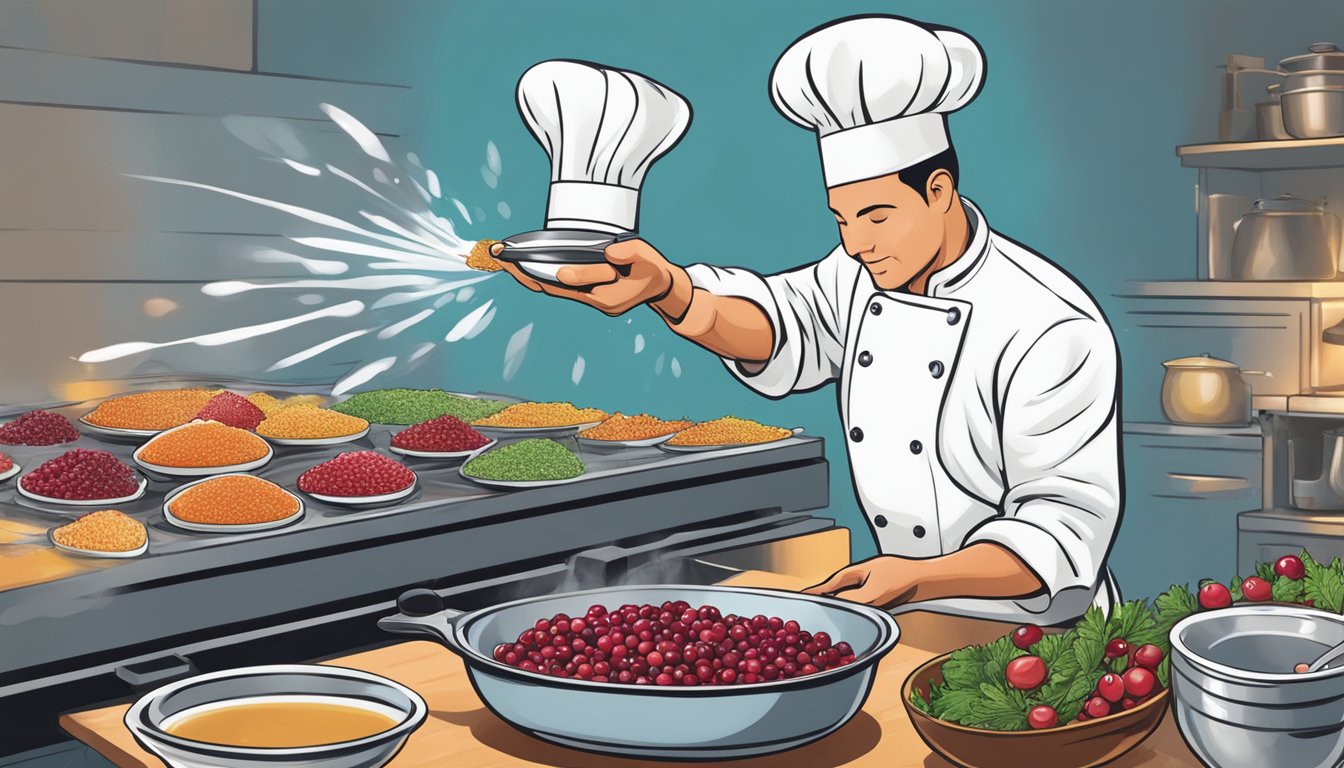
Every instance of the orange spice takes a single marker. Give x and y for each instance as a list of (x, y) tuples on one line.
[(160, 409), (233, 500), (480, 257), (542, 415), (729, 430), (638, 427), (306, 422), (204, 444), (106, 530)]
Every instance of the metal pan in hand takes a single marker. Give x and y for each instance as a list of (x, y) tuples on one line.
[(655, 722), (543, 252)]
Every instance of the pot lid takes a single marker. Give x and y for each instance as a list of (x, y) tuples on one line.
[(1288, 203), (1200, 361), (1321, 56)]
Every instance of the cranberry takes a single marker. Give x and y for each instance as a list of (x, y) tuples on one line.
[(1148, 656), (1025, 637), (1139, 682), (1117, 648), (1111, 688), (1256, 589), (1042, 717), (1214, 595), (1290, 567), (1097, 707), (1024, 672)]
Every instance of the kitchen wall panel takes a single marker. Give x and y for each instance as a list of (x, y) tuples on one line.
[(208, 33)]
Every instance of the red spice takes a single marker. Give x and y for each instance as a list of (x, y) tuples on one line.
[(444, 435), (232, 410), (6, 463), (357, 473), (38, 428), (82, 475)]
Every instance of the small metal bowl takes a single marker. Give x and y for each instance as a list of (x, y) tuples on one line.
[(352, 687), (1238, 701)]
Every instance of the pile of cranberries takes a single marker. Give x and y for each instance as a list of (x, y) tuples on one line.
[(233, 410), (1112, 693), (357, 473), (6, 463), (446, 434), (82, 475), (38, 428), (672, 644)]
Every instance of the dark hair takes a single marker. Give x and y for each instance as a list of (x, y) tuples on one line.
[(917, 175)]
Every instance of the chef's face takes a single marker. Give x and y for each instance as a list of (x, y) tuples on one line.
[(889, 226)]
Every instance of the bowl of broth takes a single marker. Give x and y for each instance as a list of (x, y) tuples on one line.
[(280, 715)]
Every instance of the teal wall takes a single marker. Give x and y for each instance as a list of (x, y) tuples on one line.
[(1069, 148)]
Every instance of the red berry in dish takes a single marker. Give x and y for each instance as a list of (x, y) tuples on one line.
[(1111, 688), (82, 475), (38, 427), (6, 463), (1214, 595), (1117, 648), (1256, 589), (234, 410), (445, 434), (1042, 717), (1097, 707), (1025, 672), (1148, 656), (1139, 682), (1290, 567), (357, 474), (1025, 637)]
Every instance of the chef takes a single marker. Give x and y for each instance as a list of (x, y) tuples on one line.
[(977, 381)]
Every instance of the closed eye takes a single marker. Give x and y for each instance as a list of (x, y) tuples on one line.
[(879, 221)]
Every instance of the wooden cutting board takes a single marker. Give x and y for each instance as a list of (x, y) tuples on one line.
[(461, 732)]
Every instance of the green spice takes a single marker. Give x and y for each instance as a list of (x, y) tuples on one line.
[(412, 406), (524, 461)]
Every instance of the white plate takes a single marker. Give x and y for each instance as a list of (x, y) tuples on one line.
[(80, 503), (138, 551), (441, 454), (588, 442), (310, 441), (355, 501), (219, 528), (12, 471), (116, 431), (200, 471), (702, 448), (534, 431)]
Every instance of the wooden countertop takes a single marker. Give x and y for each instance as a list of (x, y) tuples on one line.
[(460, 731)]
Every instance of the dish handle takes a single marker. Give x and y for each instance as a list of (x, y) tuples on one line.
[(422, 613)]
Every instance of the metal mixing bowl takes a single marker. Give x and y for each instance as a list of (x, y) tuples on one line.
[(352, 687), (674, 722), (1238, 701)]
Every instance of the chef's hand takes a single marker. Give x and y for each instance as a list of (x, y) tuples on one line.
[(635, 273), (883, 581)]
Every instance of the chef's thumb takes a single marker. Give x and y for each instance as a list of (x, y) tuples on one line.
[(496, 249)]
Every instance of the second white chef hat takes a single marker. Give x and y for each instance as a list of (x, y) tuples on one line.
[(602, 129), (876, 89)]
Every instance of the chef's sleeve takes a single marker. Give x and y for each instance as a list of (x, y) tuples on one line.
[(1061, 460), (807, 308)]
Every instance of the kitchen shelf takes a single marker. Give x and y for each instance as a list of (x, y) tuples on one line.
[(1290, 154), (1235, 289)]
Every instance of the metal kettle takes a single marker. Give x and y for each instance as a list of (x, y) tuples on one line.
[(1286, 239), (1327, 490), (1204, 390)]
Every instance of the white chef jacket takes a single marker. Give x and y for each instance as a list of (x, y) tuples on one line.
[(985, 411)]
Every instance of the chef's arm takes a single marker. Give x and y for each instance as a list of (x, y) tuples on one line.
[(980, 570), (728, 326)]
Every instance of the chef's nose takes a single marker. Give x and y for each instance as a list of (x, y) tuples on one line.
[(857, 249)]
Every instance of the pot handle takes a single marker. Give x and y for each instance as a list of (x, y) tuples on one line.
[(422, 613)]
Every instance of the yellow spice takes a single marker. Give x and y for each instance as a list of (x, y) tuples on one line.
[(300, 422), (480, 257), (542, 415), (106, 530), (729, 430)]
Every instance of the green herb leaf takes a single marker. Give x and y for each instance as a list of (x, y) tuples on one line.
[(1265, 571), (1090, 646), (1002, 710), (1164, 672), (1171, 607), (1289, 591), (1326, 589), (1235, 589), (918, 701), (956, 705)]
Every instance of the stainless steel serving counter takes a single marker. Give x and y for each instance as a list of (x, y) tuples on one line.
[(132, 618)]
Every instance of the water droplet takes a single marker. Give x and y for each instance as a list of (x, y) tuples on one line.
[(472, 323), (316, 350), (676, 368), (504, 210), (401, 325), (462, 209), (658, 365), (492, 158), (487, 175), (433, 182), (639, 343), (465, 295), (576, 374), (420, 352), (365, 138), (310, 299), (516, 351), (480, 214), (362, 375)]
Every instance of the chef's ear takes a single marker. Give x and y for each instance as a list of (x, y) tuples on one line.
[(938, 190)]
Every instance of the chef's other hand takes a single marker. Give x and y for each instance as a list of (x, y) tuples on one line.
[(635, 273), (883, 581)]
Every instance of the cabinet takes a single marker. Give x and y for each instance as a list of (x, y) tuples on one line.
[(1185, 487)]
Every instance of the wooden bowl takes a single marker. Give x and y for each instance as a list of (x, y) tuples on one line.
[(1075, 745)]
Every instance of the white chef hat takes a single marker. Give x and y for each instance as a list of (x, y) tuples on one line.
[(876, 90), (602, 129)]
